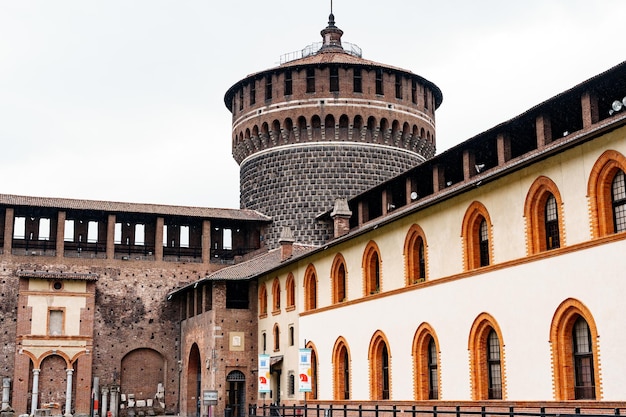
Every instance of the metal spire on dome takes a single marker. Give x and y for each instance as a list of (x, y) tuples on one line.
[(331, 35), (331, 17)]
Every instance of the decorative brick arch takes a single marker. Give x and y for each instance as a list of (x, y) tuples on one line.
[(599, 192), (421, 363), (291, 292), (469, 235), (372, 266), (310, 288), (477, 347), (415, 269), (339, 279), (380, 383), (534, 214), (562, 350), (262, 300), (341, 370), (314, 372)]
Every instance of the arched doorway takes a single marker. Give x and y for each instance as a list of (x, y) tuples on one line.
[(236, 393), (194, 380)]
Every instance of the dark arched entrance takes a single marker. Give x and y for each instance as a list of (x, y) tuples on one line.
[(236, 394), (194, 373)]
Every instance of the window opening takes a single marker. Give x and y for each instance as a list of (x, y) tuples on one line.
[(92, 232), (310, 80), (241, 99), (618, 196), (68, 235), (292, 339), (483, 239), (253, 92), (357, 80), (117, 234), (184, 236), (398, 86), (55, 322), (268, 87), (414, 91), (288, 83), (19, 228), (433, 380), (140, 234), (379, 82), (493, 362), (385, 372), (552, 224), (334, 79), (44, 229), (227, 239), (583, 361)]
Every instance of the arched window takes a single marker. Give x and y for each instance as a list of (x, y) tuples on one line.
[(415, 255), (426, 363), (486, 359), (338, 277), (310, 288), (276, 338), (372, 276), (291, 293), (341, 369), (380, 367), (574, 343), (544, 216), (262, 301), (314, 367), (607, 195), (476, 236), (276, 296)]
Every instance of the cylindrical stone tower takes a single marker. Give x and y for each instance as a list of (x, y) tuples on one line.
[(325, 124)]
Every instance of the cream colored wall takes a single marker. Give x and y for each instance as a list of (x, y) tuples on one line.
[(522, 298), (71, 304)]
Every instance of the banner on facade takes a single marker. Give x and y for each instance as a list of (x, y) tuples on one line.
[(264, 373), (305, 370)]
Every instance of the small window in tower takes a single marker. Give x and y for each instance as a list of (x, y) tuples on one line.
[(379, 82), (414, 91), (334, 79), (357, 81), (288, 83), (241, 99), (398, 86), (268, 87), (253, 92), (310, 80)]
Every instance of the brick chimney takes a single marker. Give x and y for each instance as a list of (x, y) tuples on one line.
[(341, 217), (286, 243)]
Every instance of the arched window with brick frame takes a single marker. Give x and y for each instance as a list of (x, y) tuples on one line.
[(372, 269), (262, 301), (477, 237), (276, 296), (276, 333), (291, 292), (313, 394), (574, 347), (415, 255), (426, 363), (607, 197), (310, 288), (380, 367), (543, 211), (338, 276), (487, 365), (341, 370)]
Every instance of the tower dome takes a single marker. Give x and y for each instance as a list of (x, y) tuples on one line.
[(325, 124)]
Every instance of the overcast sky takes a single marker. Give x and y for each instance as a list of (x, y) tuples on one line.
[(123, 99)]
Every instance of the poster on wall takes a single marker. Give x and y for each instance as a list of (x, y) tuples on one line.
[(264, 373), (305, 370)]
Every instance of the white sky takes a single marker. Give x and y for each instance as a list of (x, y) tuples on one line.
[(123, 100)]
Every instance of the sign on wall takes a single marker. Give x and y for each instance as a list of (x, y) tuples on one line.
[(305, 370), (209, 397), (264, 373)]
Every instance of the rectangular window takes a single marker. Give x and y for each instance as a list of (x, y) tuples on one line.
[(334, 79), (241, 99), (292, 384), (310, 80), (291, 336), (268, 87), (19, 228), (398, 86), (227, 239), (425, 98), (253, 92), (44, 229), (237, 295), (68, 235), (140, 234), (165, 236), (92, 232), (117, 235), (357, 81), (55, 322), (414, 92), (379, 82), (288, 83), (184, 236)]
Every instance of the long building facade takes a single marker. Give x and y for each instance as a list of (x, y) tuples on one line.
[(488, 274)]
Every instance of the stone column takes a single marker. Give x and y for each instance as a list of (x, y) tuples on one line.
[(35, 392), (115, 390), (6, 389), (60, 234), (105, 396), (111, 236), (206, 241), (8, 230), (68, 392)]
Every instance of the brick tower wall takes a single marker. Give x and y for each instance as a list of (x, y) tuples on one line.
[(295, 183)]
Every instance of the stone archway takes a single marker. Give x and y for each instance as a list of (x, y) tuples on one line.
[(143, 372), (236, 393), (194, 382)]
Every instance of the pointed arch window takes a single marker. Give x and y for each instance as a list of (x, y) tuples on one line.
[(553, 240), (486, 359), (372, 269), (426, 363), (312, 395), (262, 301), (380, 368), (476, 235), (291, 293), (338, 276), (276, 296), (341, 361), (310, 288), (276, 338), (543, 213), (574, 343), (607, 195), (415, 255), (618, 200)]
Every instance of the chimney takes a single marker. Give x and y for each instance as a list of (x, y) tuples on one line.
[(286, 243), (341, 217)]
